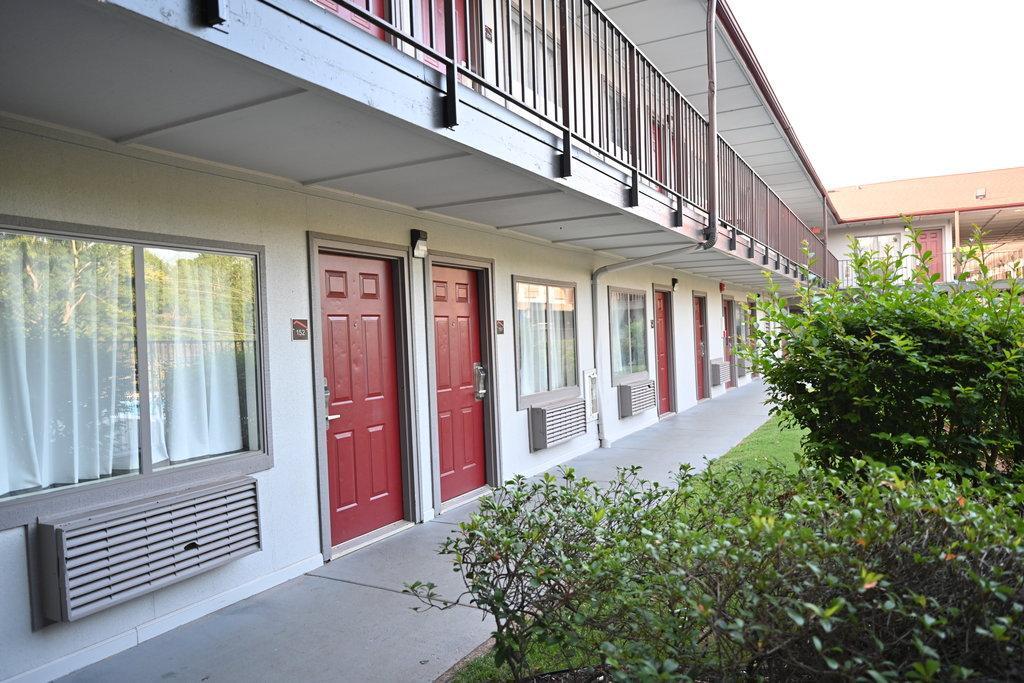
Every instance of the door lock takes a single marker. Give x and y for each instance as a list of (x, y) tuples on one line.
[(479, 381)]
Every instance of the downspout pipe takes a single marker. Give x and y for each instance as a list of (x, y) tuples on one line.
[(595, 278), (711, 231)]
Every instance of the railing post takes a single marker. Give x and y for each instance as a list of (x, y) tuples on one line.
[(732, 237), (634, 126), (679, 158), (566, 165), (451, 96)]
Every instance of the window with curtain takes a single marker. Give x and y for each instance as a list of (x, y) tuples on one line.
[(201, 342), (628, 321), (545, 337), (70, 368)]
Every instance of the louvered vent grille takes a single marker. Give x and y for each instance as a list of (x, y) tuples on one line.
[(636, 397), (100, 559), (718, 371), (554, 423)]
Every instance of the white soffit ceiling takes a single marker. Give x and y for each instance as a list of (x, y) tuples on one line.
[(671, 34)]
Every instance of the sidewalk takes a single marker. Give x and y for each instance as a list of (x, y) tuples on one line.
[(349, 621)]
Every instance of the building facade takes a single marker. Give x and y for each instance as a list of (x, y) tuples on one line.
[(947, 210), (281, 278)]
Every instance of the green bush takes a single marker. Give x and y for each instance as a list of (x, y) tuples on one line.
[(900, 368), (762, 574), (538, 549)]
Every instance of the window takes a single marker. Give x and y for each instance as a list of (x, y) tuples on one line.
[(872, 243), (627, 311), (545, 337), (201, 342), (72, 374), (879, 243)]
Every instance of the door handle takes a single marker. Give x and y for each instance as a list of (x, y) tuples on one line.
[(479, 381), (327, 402)]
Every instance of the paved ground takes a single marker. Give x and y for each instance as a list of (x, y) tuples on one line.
[(348, 620)]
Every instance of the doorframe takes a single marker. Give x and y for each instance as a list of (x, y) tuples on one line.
[(705, 365), (670, 323), (399, 257), (484, 269)]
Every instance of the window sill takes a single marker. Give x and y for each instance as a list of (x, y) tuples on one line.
[(525, 402), (55, 503), (630, 378)]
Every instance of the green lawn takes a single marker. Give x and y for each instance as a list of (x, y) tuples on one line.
[(769, 443)]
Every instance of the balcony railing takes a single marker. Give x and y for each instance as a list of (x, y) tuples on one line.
[(566, 65), (1002, 264)]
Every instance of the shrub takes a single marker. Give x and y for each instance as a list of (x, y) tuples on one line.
[(538, 549), (756, 574), (872, 577), (900, 368)]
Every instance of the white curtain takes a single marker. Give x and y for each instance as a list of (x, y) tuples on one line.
[(562, 336), (628, 312), (68, 398), (531, 302), (200, 323)]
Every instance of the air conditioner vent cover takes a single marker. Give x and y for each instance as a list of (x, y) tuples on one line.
[(636, 397), (554, 423), (102, 558), (719, 371)]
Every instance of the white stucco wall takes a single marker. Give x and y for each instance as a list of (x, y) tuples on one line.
[(54, 175), (840, 237)]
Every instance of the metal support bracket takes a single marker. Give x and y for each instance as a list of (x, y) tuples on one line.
[(451, 95)]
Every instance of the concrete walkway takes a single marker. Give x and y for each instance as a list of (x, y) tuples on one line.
[(349, 621)]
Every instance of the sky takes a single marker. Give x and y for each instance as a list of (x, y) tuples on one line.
[(887, 89)]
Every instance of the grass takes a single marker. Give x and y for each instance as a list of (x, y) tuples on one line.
[(542, 657), (771, 442)]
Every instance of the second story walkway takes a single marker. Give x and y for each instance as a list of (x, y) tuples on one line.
[(540, 117)]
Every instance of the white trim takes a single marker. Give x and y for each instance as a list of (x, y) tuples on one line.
[(467, 497), (155, 627), (370, 538)]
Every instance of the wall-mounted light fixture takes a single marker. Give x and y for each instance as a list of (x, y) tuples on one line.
[(980, 193), (675, 284), (418, 240)]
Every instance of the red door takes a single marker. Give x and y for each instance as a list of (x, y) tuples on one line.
[(699, 335), (378, 8), (662, 337), (460, 414), (364, 462), (436, 39), (727, 315), (931, 240)]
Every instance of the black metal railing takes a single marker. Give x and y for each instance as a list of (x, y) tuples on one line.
[(566, 65)]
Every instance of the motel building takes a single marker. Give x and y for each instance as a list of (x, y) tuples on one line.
[(279, 278), (946, 211)]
